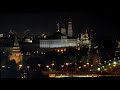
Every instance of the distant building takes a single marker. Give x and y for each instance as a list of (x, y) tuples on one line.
[(15, 52), (63, 30), (61, 40), (70, 29)]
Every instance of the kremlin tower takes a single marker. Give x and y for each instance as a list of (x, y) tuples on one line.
[(15, 53)]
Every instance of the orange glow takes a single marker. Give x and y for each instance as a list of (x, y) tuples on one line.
[(64, 49), (17, 54), (78, 48), (58, 50), (51, 75), (61, 50)]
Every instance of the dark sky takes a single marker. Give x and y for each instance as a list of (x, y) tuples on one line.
[(104, 22)]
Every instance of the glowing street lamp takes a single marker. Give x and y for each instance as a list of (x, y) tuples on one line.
[(39, 65), (114, 58), (67, 64), (20, 66), (98, 69), (114, 62), (47, 66), (52, 65), (28, 67), (84, 65), (118, 57), (3, 66), (79, 67), (62, 66), (87, 63)]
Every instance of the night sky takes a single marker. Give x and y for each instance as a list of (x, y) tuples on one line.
[(104, 22)]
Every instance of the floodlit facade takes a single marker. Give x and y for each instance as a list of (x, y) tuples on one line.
[(58, 43), (15, 53)]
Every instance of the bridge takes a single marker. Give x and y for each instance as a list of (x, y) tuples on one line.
[(111, 68)]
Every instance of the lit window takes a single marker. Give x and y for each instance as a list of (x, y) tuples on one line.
[(17, 54)]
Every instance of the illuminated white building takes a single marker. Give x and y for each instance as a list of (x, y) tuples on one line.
[(61, 40), (65, 42), (58, 43)]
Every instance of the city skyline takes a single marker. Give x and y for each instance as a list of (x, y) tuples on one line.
[(88, 44), (38, 22)]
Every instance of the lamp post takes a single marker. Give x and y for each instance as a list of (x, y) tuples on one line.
[(47, 66), (62, 67), (20, 66), (52, 65), (39, 66), (28, 67)]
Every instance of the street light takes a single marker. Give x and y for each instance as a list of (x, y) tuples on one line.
[(20, 66), (118, 57), (87, 63), (62, 66), (114, 58), (3, 66), (39, 65), (84, 66), (114, 62), (109, 64), (47, 66), (67, 64), (98, 69), (52, 65), (28, 67)]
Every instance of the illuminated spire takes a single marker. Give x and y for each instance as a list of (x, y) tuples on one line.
[(58, 28), (16, 41), (86, 31), (63, 30), (70, 30)]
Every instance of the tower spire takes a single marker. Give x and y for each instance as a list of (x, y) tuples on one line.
[(70, 30), (86, 31), (16, 40), (58, 27)]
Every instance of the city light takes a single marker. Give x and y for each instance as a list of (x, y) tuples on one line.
[(65, 53), (115, 62), (20, 66), (52, 64), (87, 63), (66, 64), (39, 65), (84, 65), (79, 67), (98, 69), (47, 66), (62, 66), (28, 67), (3, 66)]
